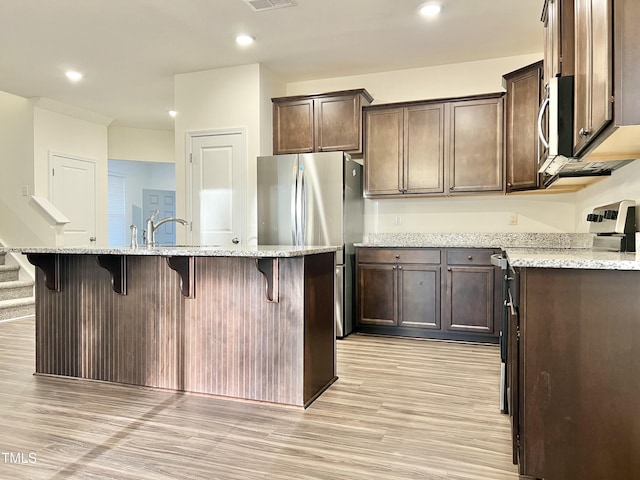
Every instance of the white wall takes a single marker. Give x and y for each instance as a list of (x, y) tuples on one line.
[(141, 144), (270, 87), (624, 184), (20, 223), (535, 212), (59, 133), (441, 81), (222, 99)]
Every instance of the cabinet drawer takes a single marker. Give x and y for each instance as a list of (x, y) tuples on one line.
[(399, 255), (469, 256)]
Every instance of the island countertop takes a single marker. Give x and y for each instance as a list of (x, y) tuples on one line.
[(247, 251)]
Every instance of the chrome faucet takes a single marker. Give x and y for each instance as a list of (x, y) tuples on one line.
[(150, 238)]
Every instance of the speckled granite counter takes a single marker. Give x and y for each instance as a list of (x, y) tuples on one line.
[(480, 240), (534, 250), (572, 258), (261, 251)]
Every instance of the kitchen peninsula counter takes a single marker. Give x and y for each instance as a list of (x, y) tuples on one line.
[(254, 323), (572, 258)]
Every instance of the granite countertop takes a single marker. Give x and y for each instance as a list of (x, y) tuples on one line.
[(584, 258), (260, 251), (534, 250), (480, 240)]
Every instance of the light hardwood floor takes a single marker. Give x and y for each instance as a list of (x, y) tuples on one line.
[(401, 409)]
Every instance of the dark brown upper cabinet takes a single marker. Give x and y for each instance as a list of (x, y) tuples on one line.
[(522, 146), (405, 150), (593, 107), (319, 123), (438, 147), (607, 80), (558, 19), (476, 146)]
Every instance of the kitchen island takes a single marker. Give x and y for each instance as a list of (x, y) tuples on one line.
[(253, 323)]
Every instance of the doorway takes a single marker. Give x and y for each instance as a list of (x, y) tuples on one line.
[(217, 198), (138, 176), (72, 189)]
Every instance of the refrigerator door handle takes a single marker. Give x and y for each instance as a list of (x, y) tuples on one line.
[(294, 198), (300, 207)]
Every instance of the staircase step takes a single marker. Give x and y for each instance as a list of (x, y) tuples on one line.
[(15, 289), (9, 273), (17, 308)]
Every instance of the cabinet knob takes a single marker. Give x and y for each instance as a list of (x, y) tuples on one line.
[(397, 256), (469, 257), (584, 133), (400, 267), (393, 268)]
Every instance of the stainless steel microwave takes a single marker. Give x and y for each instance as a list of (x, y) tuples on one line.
[(555, 119)]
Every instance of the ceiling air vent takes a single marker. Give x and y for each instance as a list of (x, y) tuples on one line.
[(263, 5)]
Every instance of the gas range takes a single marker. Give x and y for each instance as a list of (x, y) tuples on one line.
[(615, 226)]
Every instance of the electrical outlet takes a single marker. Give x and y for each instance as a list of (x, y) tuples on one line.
[(513, 219), (25, 190), (398, 220)]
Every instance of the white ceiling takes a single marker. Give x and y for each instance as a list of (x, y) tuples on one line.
[(129, 50)]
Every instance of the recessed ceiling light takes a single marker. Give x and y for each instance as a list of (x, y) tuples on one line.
[(245, 39), (173, 113), (430, 9), (74, 76)]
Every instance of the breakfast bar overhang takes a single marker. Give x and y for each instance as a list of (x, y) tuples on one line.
[(254, 323)]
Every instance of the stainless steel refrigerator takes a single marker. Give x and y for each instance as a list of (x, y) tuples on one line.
[(315, 199)]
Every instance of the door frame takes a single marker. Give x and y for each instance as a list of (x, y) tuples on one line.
[(94, 162), (190, 135)]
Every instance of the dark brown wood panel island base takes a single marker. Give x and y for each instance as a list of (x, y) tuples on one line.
[(254, 328)]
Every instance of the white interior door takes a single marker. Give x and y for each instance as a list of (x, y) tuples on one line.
[(218, 179), (73, 191)]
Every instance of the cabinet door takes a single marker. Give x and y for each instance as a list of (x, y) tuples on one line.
[(593, 79), (293, 126), (419, 296), (424, 149), (558, 21), (470, 299), (475, 151), (377, 294), (523, 147), (383, 152), (338, 124), (550, 18)]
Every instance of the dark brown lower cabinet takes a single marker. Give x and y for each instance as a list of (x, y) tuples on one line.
[(402, 288), (378, 307), (402, 291), (575, 375), (471, 302)]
